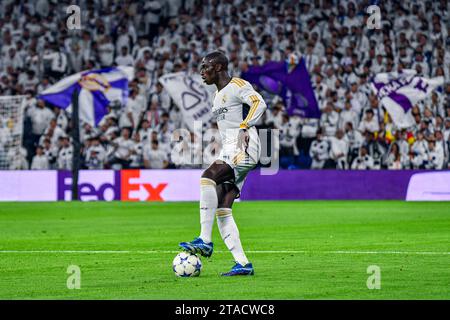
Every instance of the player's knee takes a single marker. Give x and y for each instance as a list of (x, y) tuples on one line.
[(224, 204), (222, 212), (207, 182), (210, 175)]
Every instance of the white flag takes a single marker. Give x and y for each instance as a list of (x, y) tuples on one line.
[(399, 92), (97, 89), (192, 96)]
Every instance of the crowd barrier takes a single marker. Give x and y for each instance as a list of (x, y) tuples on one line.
[(183, 185)]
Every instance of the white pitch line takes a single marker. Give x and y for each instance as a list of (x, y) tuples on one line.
[(248, 251), (389, 252)]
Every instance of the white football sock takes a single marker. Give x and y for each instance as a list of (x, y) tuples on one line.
[(208, 206), (230, 234)]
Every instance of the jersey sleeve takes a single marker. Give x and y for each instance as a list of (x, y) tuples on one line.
[(249, 96)]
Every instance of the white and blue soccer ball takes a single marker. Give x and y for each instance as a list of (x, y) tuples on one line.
[(186, 264)]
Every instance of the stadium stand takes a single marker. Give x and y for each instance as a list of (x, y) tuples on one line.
[(159, 37)]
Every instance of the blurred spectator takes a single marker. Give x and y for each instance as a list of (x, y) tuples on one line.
[(53, 132), (348, 115), (309, 129), (434, 159), (394, 159), (288, 137), (376, 148), (133, 112), (136, 157), (123, 148), (95, 155), (363, 161), (17, 158), (369, 123), (338, 150), (65, 154), (155, 158), (40, 160), (160, 97), (76, 59), (29, 82), (51, 152), (56, 62), (40, 118), (355, 140), (106, 52), (329, 120), (274, 116), (153, 115), (418, 153), (319, 151), (152, 16), (125, 59)]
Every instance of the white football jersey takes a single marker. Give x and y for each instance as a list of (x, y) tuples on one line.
[(237, 106)]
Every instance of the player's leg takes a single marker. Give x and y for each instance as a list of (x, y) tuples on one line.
[(227, 193), (214, 175)]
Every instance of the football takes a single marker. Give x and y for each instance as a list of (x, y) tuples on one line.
[(186, 264)]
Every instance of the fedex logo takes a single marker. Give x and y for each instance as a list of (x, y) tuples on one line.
[(132, 190), (106, 185)]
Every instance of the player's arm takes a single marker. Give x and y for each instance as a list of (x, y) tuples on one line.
[(257, 105), (249, 96)]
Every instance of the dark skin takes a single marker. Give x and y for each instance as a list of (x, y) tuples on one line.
[(215, 73)]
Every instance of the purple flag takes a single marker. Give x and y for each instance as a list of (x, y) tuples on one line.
[(290, 82)]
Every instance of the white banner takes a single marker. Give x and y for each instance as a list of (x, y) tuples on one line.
[(192, 96)]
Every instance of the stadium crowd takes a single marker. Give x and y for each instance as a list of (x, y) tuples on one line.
[(159, 37)]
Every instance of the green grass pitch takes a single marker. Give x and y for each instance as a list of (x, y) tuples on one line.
[(125, 250)]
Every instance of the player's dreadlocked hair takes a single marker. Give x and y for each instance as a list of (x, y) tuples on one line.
[(218, 57)]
